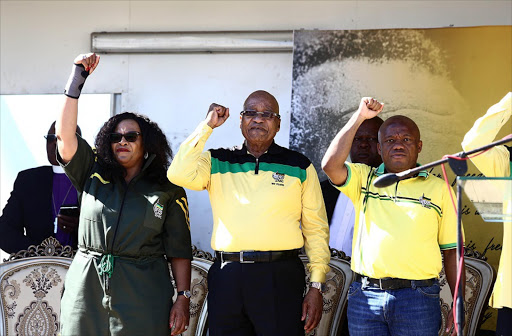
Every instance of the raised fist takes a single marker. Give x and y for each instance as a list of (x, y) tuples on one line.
[(89, 61), (219, 109), (217, 115), (370, 107)]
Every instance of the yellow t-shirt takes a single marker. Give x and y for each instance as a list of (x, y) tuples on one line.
[(399, 230)]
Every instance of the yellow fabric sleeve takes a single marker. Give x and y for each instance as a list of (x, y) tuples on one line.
[(352, 186), (191, 167), (315, 228), (496, 161)]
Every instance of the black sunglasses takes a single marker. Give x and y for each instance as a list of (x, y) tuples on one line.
[(264, 115), (50, 137), (129, 136)]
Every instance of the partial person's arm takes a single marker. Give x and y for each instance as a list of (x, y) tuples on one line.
[(180, 312), (450, 268), (12, 238), (315, 230), (339, 149), (191, 167), (178, 249), (496, 161), (447, 238), (65, 126)]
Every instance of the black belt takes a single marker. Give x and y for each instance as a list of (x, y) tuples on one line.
[(392, 283), (249, 257)]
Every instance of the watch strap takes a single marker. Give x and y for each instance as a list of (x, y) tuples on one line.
[(185, 293)]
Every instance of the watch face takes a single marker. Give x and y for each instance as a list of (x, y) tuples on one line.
[(186, 294), (318, 285)]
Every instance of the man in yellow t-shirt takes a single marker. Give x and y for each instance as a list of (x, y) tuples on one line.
[(497, 162), (400, 231)]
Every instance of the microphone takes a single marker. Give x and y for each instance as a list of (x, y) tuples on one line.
[(385, 180), (390, 178)]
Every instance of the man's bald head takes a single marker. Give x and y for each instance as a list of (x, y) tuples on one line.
[(373, 122), (403, 120), (261, 97)]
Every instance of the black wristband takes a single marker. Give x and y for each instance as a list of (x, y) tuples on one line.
[(76, 81)]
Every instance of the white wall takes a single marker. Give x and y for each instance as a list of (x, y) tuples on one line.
[(39, 40)]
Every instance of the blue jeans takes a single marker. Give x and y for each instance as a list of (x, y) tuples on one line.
[(399, 312)]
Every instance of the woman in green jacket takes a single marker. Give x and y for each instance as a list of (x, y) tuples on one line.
[(133, 221)]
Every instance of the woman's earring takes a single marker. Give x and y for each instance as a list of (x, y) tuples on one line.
[(146, 155)]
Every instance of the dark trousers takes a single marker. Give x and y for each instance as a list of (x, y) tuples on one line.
[(504, 324), (256, 299)]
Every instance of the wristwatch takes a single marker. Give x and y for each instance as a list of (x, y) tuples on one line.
[(318, 285), (185, 293)]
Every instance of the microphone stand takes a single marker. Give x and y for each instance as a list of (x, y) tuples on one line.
[(390, 178), (459, 168)]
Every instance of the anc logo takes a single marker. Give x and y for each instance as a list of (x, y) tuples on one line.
[(158, 209), (278, 177), (425, 202)]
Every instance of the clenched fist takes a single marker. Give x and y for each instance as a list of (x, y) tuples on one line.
[(370, 107), (89, 61), (217, 115)]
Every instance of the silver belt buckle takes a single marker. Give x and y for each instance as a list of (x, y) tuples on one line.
[(380, 284), (364, 282), (242, 261)]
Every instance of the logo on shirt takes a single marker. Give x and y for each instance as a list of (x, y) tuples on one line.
[(278, 179), (158, 209), (425, 202)]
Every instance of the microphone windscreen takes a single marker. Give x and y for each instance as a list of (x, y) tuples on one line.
[(385, 180)]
